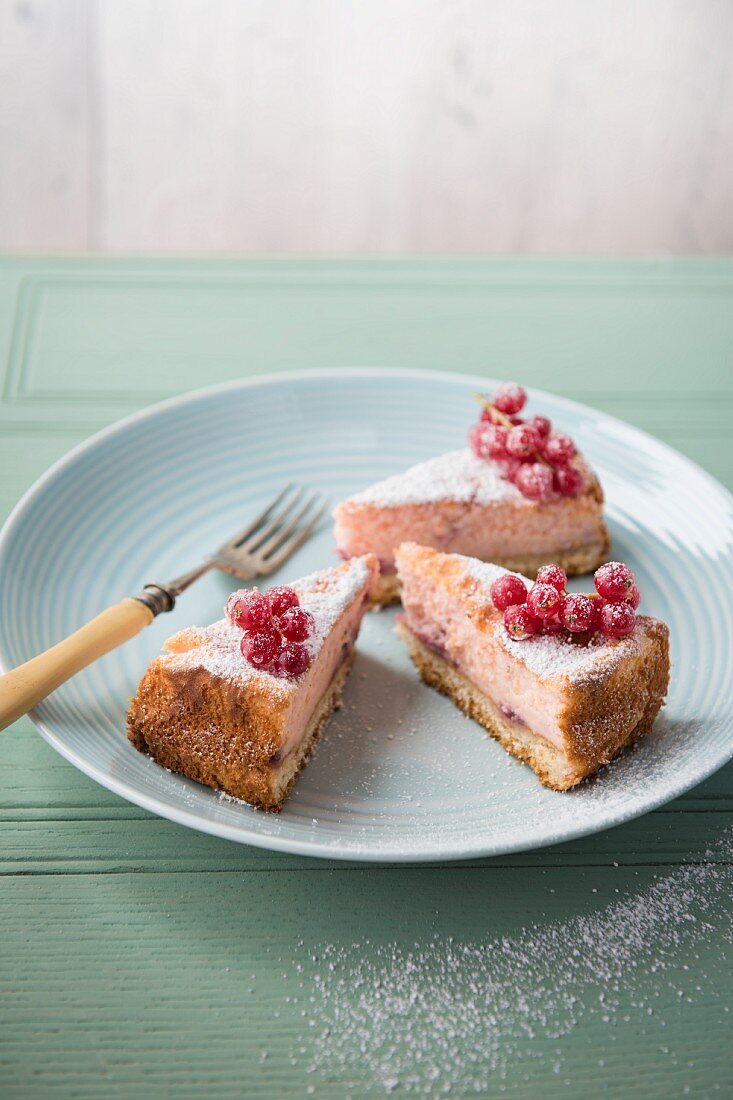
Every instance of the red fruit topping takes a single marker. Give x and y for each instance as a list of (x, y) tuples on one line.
[(260, 648), (579, 613), (496, 441), (522, 441), (296, 624), (520, 623), (617, 619), (534, 481), (568, 481), (613, 581), (508, 591), (633, 597), (281, 598), (508, 467), (543, 600), (476, 439), (488, 440), (559, 449), (541, 425), (248, 609), (292, 661), (554, 575), (510, 399), (551, 625)]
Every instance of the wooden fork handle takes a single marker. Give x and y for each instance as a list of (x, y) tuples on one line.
[(25, 686)]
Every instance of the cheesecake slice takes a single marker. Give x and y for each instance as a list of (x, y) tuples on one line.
[(459, 503), (564, 705), (203, 710)]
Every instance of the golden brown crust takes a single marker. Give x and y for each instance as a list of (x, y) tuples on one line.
[(628, 696), (556, 769), (170, 698), (212, 746)]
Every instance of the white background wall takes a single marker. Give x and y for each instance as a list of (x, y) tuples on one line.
[(331, 126)]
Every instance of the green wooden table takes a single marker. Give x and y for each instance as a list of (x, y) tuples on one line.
[(141, 959)]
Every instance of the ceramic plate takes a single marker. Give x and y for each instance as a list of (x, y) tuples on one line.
[(400, 774)]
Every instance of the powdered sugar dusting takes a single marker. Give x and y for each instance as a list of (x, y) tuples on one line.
[(446, 1016), (458, 476), (326, 594), (555, 656)]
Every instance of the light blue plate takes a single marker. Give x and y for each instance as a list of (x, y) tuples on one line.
[(401, 774)]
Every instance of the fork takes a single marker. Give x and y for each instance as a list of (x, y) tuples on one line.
[(258, 550)]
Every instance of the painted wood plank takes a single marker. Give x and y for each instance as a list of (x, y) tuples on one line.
[(46, 143), (139, 842), (140, 957), (88, 342), (505, 128), (564, 982)]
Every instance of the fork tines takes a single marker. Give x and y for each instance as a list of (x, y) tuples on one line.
[(280, 529)]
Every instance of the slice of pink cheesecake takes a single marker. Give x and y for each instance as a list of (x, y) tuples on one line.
[(203, 710), (459, 503), (564, 706)]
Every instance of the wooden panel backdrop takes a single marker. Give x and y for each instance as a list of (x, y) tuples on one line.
[(510, 126)]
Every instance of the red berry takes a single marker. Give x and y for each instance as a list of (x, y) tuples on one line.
[(520, 623), (579, 613), (541, 425), (543, 600), (559, 449), (510, 399), (567, 481), (488, 440), (292, 661), (489, 416), (249, 609), (633, 597), (508, 591), (296, 624), (522, 441), (613, 581), (281, 598), (554, 575), (534, 481), (616, 620), (508, 467), (260, 648), (551, 625)]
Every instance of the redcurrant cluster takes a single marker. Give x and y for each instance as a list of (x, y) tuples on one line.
[(275, 626), (546, 608), (527, 452)]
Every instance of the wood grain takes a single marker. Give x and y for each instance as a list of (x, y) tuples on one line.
[(516, 127), (140, 958)]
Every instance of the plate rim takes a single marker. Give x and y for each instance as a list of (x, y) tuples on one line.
[(360, 852)]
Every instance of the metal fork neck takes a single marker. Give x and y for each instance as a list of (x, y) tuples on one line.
[(162, 597), (157, 598)]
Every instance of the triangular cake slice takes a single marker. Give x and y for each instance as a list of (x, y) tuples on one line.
[(461, 504), (564, 706), (202, 710)]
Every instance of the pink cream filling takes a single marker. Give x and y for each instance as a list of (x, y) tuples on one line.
[(316, 681), (500, 530), (480, 656)]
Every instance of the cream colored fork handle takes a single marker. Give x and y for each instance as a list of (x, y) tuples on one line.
[(25, 686)]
